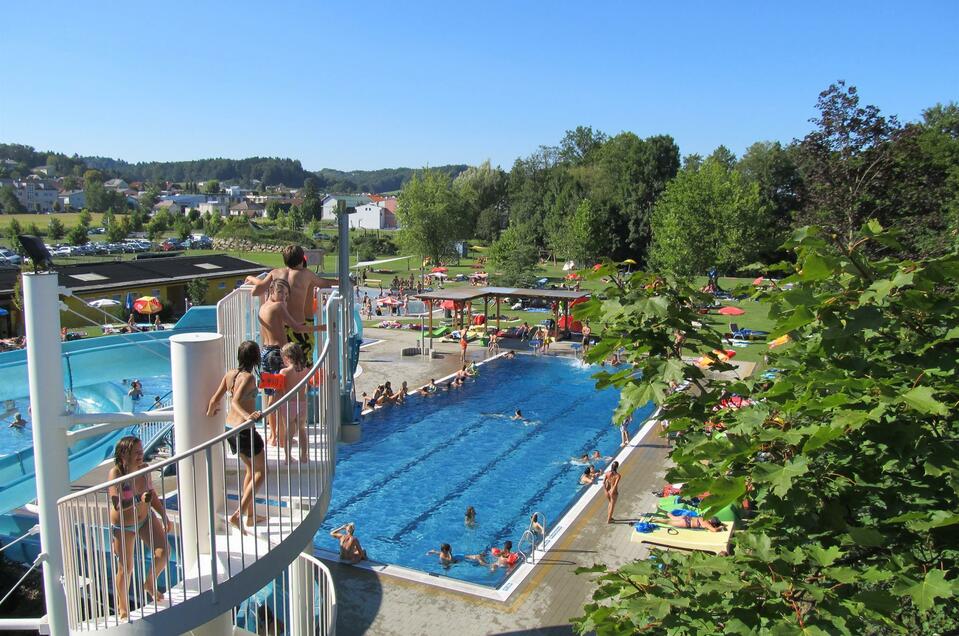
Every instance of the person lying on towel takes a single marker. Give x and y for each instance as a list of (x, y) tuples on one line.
[(684, 521)]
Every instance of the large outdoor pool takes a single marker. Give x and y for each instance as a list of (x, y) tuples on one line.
[(408, 483)]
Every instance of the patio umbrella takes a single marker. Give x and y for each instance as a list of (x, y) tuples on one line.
[(731, 311), (388, 300), (448, 304), (104, 302), (147, 305), (439, 270)]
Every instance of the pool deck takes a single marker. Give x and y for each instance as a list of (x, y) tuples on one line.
[(373, 603)]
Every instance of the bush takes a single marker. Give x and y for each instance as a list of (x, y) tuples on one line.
[(270, 236)]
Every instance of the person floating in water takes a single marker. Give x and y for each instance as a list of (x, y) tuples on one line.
[(136, 391), (518, 415), (469, 519), (18, 421)]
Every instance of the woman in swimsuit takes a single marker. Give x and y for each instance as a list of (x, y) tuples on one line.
[(247, 444), (686, 521), (131, 501), (350, 549)]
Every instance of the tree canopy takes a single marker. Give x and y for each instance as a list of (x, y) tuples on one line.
[(847, 457)]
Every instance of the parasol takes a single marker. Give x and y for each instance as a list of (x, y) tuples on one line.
[(731, 311), (439, 270), (448, 304), (147, 305), (388, 300), (104, 302)]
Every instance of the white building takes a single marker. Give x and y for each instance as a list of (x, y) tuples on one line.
[(330, 201), (116, 184), (372, 217), (72, 200), (36, 195), (214, 207)]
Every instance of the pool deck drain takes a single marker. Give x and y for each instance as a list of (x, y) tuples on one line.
[(374, 602)]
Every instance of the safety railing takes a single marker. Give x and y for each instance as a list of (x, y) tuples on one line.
[(534, 535), (236, 319), (302, 600), (136, 549)]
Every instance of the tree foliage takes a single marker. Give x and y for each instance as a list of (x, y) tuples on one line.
[(709, 217), (9, 203), (514, 256), (848, 456), (427, 212), (55, 229)]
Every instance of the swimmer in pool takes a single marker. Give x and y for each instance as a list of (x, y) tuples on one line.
[(480, 558), (445, 554), (469, 519), (588, 476), (518, 415), (596, 456), (18, 421)]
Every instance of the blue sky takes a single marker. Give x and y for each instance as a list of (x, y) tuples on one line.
[(368, 85)]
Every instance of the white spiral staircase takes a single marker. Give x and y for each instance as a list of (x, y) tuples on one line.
[(221, 578)]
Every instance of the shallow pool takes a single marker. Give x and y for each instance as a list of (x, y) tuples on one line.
[(407, 484)]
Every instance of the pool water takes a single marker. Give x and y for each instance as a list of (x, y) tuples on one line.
[(408, 483)]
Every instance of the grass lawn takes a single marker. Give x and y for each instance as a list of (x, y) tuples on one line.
[(69, 219)]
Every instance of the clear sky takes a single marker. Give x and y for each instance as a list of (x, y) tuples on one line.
[(364, 85)]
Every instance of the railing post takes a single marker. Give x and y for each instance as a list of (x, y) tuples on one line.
[(196, 360), (300, 577), (50, 424)]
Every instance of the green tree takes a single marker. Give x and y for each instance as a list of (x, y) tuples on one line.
[(108, 219), (514, 256), (78, 235), (182, 227), (55, 229), (85, 219), (846, 456), (34, 230), (427, 214), (211, 187), (13, 231), (137, 219), (9, 203), (847, 162), (155, 229), (213, 224), (118, 229), (196, 290), (712, 216), (312, 207), (479, 188), (273, 208)]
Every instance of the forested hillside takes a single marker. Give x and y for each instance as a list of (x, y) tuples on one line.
[(385, 180)]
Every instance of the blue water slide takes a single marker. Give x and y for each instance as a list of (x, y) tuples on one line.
[(93, 368)]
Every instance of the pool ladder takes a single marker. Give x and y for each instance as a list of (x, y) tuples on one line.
[(530, 535)]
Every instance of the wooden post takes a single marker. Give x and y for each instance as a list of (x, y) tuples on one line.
[(556, 320), (497, 313), (486, 313), (429, 307)]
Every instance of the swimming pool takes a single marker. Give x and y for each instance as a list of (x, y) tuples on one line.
[(407, 484)]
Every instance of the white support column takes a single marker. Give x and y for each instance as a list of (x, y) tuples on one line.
[(196, 361), (49, 423), (300, 576)]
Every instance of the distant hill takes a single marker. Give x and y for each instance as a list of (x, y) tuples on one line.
[(267, 170), (383, 180)]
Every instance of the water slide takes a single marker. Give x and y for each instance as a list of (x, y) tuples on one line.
[(94, 374)]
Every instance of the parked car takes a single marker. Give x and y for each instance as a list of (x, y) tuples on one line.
[(10, 257), (97, 230), (322, 236), (202, 243), (170, 244)]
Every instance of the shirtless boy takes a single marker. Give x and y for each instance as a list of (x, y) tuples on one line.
[(274, 317), (301, 282)]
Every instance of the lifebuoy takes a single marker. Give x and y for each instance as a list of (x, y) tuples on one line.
[(495, 551), (512, 558)]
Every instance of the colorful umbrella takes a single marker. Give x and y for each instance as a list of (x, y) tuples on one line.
[(388, 300), (147, 305), (448, 304), (441, 270), (731, 311)]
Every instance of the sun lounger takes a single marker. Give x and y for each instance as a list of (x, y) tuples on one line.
[(693, 539), (440, 331)]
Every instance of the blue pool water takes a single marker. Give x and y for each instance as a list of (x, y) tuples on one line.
[(407, 484)]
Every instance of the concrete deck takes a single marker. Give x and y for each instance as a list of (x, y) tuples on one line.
[(372, 603)]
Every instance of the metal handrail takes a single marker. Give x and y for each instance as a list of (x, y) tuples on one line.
[(208, 444), (90, 547)]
